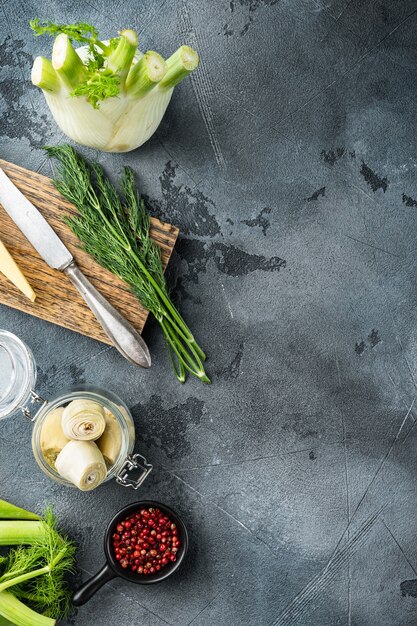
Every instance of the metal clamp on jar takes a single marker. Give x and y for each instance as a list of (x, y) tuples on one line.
[(82, 438)]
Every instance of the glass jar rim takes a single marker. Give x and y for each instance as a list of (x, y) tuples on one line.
[(22, 371)]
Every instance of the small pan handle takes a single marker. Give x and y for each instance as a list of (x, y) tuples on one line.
[(84, 593)]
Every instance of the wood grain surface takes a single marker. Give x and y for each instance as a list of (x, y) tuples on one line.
[(57, 300)]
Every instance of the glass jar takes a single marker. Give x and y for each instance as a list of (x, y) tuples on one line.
[(17, 392)]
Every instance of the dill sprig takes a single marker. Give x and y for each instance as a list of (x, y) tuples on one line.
[(114, 228)]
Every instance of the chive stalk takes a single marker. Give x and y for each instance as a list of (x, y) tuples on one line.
[(44, 76), (18, 613), (14, 533), (121, 59), (67, 63), (179, 65), (145, 74), (10, 511)]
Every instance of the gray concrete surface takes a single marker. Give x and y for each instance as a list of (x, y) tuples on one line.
[(289, 163)]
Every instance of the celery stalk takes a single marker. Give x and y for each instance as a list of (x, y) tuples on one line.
[(10, 511), (19, 614), (14, 533)]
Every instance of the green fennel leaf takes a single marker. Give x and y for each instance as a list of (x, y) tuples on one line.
[(98, 86), (79, 31)]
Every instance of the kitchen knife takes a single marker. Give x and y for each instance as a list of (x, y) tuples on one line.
[(47, 243)]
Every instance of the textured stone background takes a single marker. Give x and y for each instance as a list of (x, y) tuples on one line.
[(289, 163)]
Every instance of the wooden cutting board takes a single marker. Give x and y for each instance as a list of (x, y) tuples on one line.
[(57, 300)]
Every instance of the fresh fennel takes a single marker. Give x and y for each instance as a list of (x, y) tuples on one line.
[(116, 232), (106, 94), (11, 511), (33, 591)]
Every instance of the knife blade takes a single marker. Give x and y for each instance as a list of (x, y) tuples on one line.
[(50, 247), (33, 225)]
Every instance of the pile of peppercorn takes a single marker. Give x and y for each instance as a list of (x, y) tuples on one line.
[(146, 541)]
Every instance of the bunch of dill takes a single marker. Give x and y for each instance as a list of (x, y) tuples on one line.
[(115, 229)]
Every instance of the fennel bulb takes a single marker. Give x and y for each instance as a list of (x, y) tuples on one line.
[(107, 94)]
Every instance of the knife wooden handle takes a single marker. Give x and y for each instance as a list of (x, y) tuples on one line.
[(124, 337)]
